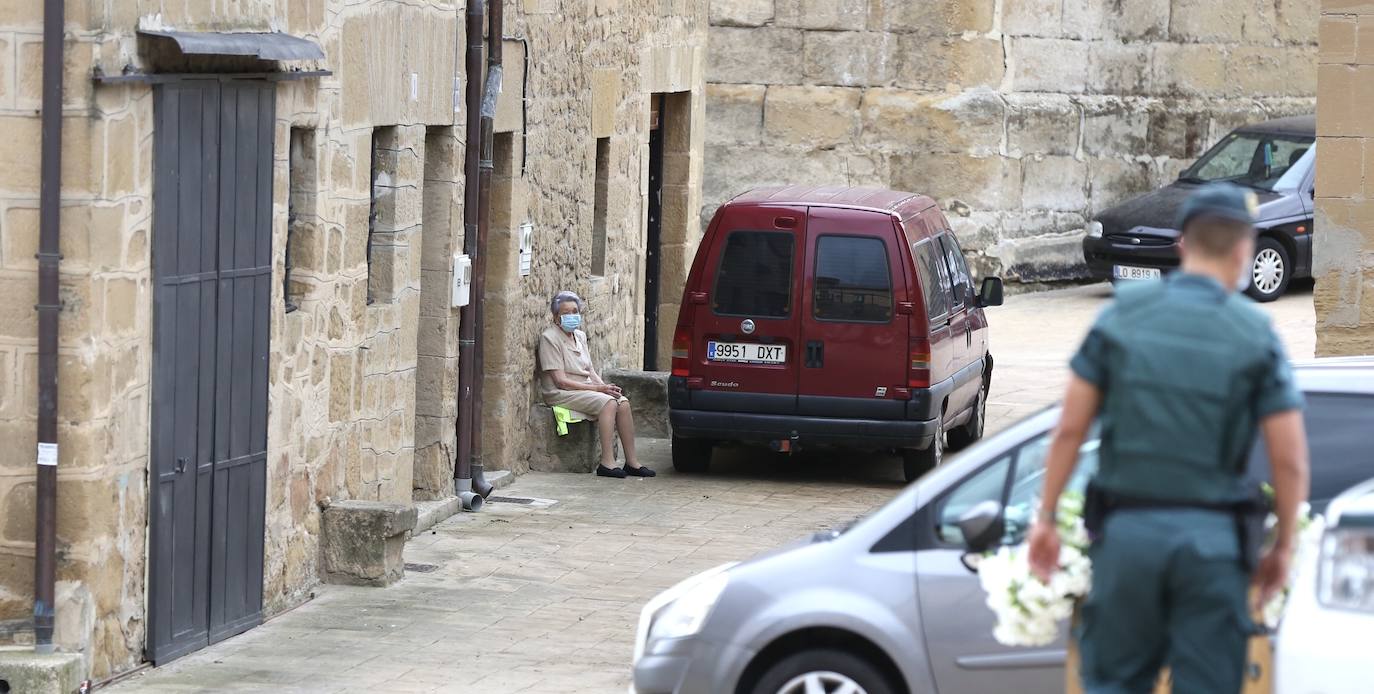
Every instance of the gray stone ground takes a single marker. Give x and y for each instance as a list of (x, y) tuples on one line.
[(544, 598)]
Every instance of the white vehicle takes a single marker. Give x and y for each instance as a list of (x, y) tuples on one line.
[(1324, 643)]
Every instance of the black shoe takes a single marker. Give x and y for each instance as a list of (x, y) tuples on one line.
[(640, 471), (603, 471)]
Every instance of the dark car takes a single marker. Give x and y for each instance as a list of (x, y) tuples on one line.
[(1137, 239), (834, 316)]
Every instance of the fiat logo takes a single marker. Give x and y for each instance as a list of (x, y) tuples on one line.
[(747, 326)]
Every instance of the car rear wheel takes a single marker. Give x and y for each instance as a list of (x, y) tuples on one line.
[(1271, 270), (822, 671), (692, 455), (966, 434), (918, 462)]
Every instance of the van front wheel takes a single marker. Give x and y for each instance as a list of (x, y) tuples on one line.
[(691, 456), (917, 462)]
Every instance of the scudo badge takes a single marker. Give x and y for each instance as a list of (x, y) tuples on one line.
[(747, 326)]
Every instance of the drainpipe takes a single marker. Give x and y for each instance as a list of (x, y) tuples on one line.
[(49, 233), (490, 94), (467, 316)]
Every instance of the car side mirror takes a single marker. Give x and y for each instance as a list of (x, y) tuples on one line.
[(982, 526), (990, 294)]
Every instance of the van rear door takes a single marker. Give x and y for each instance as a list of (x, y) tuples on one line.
[(853, 317), (745, 335)]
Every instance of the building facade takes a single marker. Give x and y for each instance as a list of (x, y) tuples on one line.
[(1021, 117), (1343, 260), (256, 276)]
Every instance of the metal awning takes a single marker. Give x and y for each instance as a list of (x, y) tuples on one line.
[(261, 45)]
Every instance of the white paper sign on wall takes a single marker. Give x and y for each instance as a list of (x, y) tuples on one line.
[(526, 248), (462, 280), (47, 454)]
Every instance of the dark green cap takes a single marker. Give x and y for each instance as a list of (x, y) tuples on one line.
[(1224, 200)]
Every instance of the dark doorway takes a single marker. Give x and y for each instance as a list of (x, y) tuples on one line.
[(212, 272), (653, 249)]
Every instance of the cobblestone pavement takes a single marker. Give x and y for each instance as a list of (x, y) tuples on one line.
[(544, 598)]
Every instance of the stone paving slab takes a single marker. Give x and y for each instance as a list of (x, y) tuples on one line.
[(1034, 335), (545, 600), (536, 600)]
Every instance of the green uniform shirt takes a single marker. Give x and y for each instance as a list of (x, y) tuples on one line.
[(1186, 369)]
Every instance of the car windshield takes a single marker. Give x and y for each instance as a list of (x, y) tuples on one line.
[(1257, 160)]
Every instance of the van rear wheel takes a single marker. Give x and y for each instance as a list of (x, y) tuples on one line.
[(966, 434), (692, 456), (917, 462)]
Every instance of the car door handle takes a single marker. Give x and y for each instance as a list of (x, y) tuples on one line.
[(815, 354)]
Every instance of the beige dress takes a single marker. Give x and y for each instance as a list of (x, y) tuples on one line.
[(556, 351)]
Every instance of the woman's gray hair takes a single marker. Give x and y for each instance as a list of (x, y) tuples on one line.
[(563, 297)]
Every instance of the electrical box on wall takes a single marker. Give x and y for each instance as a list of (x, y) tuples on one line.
[(526, 248), (462, 280)]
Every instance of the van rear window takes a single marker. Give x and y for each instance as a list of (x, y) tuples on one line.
[(754, 277), (853, 282)]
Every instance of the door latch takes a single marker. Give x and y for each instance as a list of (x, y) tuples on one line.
[(815, 354), (181, 465)]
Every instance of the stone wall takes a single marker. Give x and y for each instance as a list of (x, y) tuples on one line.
[(1021, 117), (361, 394), (1344, 254), (588, 81)]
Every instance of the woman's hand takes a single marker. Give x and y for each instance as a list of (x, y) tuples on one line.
[(608, 389)]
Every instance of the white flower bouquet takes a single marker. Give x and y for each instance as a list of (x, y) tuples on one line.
[(1029, 611)]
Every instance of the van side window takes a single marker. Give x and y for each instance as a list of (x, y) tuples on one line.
[(853, 282), (958, 270), (933, 279), (754, 277)]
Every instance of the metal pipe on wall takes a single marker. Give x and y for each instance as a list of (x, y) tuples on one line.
[(49, 257), (467, 316), (491, 93)]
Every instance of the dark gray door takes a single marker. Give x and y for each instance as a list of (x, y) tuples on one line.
[(212, 205)]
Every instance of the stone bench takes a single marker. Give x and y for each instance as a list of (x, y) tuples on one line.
[(648, 394), (363, 542), (579, 451)]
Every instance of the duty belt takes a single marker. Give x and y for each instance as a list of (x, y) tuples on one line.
[(1249, 515)]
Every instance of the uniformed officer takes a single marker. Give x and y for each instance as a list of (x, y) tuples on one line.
[(1180, 373)]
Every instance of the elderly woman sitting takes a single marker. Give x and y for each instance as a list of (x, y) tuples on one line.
[(568, 379)]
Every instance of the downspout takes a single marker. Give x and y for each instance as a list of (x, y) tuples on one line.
[(490, 94), (467, 316), (49, 234)]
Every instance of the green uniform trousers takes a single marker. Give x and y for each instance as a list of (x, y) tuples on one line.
[(1168, 589)]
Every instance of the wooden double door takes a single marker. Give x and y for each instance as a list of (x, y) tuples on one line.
[(212, 251)]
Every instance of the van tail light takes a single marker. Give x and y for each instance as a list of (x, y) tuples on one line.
[(918, 372), (682, 351)]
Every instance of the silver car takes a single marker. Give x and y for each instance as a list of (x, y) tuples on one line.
[(888, 605)]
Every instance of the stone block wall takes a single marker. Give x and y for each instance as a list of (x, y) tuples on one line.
[(361, 394), (1343, 261), (104, 337), (589, 80), (1021, 117)]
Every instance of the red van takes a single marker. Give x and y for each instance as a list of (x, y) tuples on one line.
[(830, 315)]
